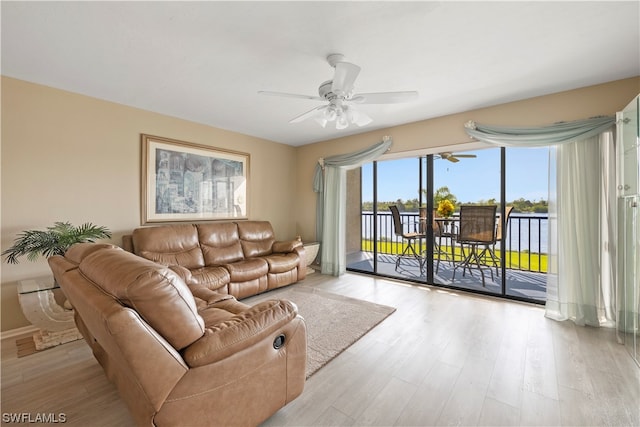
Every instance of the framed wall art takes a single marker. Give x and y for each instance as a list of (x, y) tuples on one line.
[(182, 181)]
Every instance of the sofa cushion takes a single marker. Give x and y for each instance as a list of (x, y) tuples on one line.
[(210, 277), (169, 245), (238, 332), (221, 310), (248, 269), (156, 292), (220, 243), (279, 263), (256, 238)]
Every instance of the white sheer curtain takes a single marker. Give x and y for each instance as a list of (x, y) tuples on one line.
[(581, 281), (580, 285), (330, 182)]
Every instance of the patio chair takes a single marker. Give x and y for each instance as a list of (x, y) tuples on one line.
[(410, 237), (477, 229), (499, 230), (440, 231)]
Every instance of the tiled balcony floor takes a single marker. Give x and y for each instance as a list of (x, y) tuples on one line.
[(522, 284)]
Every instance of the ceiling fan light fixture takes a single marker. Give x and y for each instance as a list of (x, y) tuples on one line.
[(342, 122), (363, 119), (330, 113), (350, 113), (343, 116), (340, 92), (322, 121), (357, 117)]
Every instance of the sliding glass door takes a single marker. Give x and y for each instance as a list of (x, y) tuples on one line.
[(527, 189), (423, 243), (394, 246), (468, 178)]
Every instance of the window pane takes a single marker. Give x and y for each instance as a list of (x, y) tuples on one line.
[(473, 179), (527, 188)]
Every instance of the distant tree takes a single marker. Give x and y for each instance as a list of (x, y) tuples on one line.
[(444, 193), (412, 205), (524, 205)]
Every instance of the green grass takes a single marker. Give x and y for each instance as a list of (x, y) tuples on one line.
[(518, 261)]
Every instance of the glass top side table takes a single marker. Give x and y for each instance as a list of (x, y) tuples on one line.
[(55, 323), (38, 284)]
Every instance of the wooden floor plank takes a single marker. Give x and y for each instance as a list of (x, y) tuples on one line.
[(427, 403), (496, 413), (387, 405), (443, 358)]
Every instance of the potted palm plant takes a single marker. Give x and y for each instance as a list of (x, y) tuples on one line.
[(54, 241)]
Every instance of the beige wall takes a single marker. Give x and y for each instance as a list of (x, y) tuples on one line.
[(354, 211), (412, 138), (68, 157)]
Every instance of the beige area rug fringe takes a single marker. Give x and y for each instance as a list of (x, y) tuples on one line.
[(334, 322)]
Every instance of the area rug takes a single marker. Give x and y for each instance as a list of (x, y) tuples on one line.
[(334, 322)]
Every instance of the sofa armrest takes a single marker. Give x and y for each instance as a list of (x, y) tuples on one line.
[(208, 296), (285, 246), (127, 242), (240, 332)]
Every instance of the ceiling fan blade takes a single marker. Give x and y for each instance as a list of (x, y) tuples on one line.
[(452, 159), (384, 97), (467, 156), (308, 114), (289, 95), (344, 78)]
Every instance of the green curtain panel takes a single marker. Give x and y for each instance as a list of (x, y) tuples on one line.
[(330, 184), (557, 133)]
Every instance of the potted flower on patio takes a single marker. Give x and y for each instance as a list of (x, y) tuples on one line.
[(445, 208), (54, 241)]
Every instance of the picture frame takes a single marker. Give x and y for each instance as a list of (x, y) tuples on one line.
[(187, 182)]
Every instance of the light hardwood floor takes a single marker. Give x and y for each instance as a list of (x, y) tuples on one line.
[(443, 358)]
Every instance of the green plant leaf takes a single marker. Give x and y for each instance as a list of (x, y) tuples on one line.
[(54, 241)]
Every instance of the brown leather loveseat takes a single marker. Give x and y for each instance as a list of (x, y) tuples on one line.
[(239, 258), (179, 359)]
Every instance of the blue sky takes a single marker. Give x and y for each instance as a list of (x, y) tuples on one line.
[(470, 180)]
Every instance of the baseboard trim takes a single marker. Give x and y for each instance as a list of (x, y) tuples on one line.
[(12, 333)]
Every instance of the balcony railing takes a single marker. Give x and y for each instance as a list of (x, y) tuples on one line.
[(525, 239)]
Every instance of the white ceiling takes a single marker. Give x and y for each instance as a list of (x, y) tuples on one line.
[(206, 61)]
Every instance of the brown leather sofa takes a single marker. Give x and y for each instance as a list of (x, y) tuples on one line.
[(238, 258), (180, 356)]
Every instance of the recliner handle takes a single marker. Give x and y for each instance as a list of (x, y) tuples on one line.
[(278, 343)]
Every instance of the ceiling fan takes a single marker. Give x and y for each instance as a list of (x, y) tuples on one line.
[(339, 92), (455, 158)]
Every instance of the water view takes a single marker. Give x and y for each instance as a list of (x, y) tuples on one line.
[(476, 178)]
